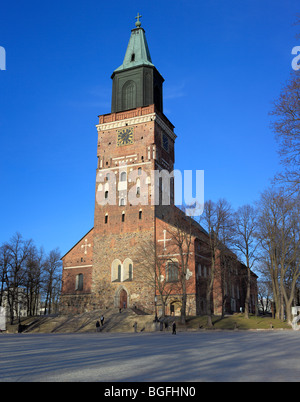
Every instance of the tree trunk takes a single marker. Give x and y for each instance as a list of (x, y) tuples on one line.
[(247, 300)]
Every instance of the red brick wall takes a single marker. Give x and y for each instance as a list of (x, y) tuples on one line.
[(76, 262)]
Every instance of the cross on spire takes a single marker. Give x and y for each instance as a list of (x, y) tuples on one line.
[(138, 22)]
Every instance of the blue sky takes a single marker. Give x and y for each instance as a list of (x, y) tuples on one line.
[(224, 62)]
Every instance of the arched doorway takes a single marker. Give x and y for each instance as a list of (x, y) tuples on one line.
[(175, 308), (123, 299)]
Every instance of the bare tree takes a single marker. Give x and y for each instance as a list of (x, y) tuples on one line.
[(216, 219), (51, 279), (279, 238), (152, 270), (33, 280), (18, 251), (4, 260), (286, 110), (181, 234), (246, 243)]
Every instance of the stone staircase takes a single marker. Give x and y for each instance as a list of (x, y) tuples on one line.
[(114, 321)]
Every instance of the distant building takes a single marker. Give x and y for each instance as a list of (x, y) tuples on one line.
[(18, 301)]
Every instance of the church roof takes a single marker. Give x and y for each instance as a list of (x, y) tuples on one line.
[(137, 53), (77, 243)]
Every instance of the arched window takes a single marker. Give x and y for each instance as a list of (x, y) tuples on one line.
[(79, 282), (138, 187), (116, 271), (127, 270), (129, 95), (122, 201), (123, 176), (172, 269)]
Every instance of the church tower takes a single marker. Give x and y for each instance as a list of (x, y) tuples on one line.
[(134, 140)]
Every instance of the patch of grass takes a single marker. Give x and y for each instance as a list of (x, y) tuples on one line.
[(236, 321)]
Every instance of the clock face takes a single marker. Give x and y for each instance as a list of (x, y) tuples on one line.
[(125, 136), (165, 142)]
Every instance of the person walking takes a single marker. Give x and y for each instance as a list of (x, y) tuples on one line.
[(135, 327), (174, 328), (97, 326), (102, 320)]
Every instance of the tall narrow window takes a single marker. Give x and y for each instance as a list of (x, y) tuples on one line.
[(79, 282), (106, 194), (172, 271), (130, 272), (106, 219), (140, 214), (116, 271), (129, 94), (123, 217), (132, 57)]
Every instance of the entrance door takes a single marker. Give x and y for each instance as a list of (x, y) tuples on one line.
[(123, 299)]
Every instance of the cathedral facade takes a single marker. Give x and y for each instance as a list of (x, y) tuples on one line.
[(140, 244)]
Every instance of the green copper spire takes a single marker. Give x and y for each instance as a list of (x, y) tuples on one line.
[(136, 82), (137, 53)]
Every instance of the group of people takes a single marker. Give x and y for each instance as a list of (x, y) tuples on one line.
[(161, 326), (98, 325)]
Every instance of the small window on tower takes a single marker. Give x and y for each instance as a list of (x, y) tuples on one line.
[(132, 57), (123, 217), (140, 214), (106, 219), (123, 176)]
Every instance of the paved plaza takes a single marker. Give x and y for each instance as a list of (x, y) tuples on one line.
[(152, 357)]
